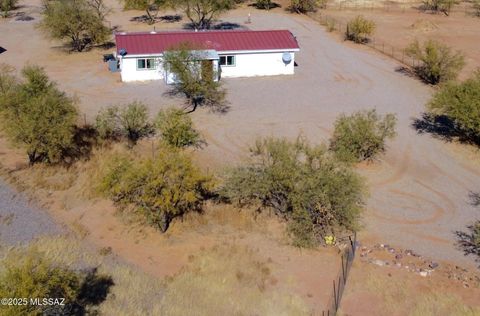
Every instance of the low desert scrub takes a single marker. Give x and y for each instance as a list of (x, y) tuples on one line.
[(362, 135), (229, 280), (127, 291), (160, 189), (438, 6), (439, 63), (476, 8), (6, 6), (306, 6), (359, 29), (176, 128), (303, 184), (128, 121), (461, 103)]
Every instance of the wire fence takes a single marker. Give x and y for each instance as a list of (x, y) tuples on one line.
[(390, 50), (339, 283), (466, 8)]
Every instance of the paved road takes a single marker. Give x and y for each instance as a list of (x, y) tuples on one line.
[(20, 220)]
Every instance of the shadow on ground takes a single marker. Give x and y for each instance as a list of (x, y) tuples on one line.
[(165, 18), (442, 127)]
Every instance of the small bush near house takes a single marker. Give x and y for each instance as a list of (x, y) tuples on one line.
[(28, 273), (6, 6), (78, 21), (176, 128), (437, 6), (302, 184), (129, 121), (362, 135), (359, 29), (160, 189), (36, 115), (461, 103), (305, 6), (438, 62)]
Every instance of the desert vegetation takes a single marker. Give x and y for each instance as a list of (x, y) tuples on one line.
[(81, 22), (6, 6), (176, 128), (359, 29), (305, 6), (303, 184), (151, 7), (128, 121), (36, 115), (439, 63), (160, 189), (195, 79), (201, 13), (362, 135), (460, 102), (438, 6)]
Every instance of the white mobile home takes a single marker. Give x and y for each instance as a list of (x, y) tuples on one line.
[(230, 53)]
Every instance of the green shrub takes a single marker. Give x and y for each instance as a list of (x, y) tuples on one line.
[(264, 4), (31, 275), (6, 6), (438, 62), (176, 128), (301, 183), (461, 103), (305, 6), (36, 115), (359, 29), (78, 21), (362, 135), (161, 189), (129, 121)]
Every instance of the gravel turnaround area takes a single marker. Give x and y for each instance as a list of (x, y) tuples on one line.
[(22, 221)]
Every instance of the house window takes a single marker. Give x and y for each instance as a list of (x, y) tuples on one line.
[(227, 60), (145, 63)]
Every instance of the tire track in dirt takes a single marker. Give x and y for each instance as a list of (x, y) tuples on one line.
[(399, 171)]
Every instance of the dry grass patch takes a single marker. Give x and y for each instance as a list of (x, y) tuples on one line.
[(229, 280)]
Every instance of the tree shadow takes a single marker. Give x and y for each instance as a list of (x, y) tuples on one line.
[(2, 50), (442, 127), (84, 139), (169, 18), (406, 71), (474, 198), (218, 26), (469, 241), (267, 6)]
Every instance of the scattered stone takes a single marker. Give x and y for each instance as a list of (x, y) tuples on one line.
[(423, 273), (433, 265), (378, 262), (398, 256), (391, 250), (398, 264)]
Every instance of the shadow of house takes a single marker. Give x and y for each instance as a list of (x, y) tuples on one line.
[(442, 127), (2, 50)]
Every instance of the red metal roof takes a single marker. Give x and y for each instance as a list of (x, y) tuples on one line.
[(237, 40)]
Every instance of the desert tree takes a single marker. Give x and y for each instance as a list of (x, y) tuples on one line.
[(37, 116), (6, 6), (438, 6), (80, 21), (176, 128), (439, 63), (303, 184), (362, 135), (151, 7), (359, 29), (129, 121), (195, 77), (201, 13), (305, 6), (461, 103), (160, 189)]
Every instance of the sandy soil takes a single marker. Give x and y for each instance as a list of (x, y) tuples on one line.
[(398, 27), (419, 191)]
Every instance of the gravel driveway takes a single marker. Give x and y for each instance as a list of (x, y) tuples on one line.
[(20, 220)]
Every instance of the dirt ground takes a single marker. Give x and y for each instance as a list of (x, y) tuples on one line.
[(399, 25), (418, 191)]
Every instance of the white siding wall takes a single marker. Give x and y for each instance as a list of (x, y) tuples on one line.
[(258, 64), (129, 71), (246, 65)]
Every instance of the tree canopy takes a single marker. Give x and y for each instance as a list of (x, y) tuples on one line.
[(201, 13), (36, 115)]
